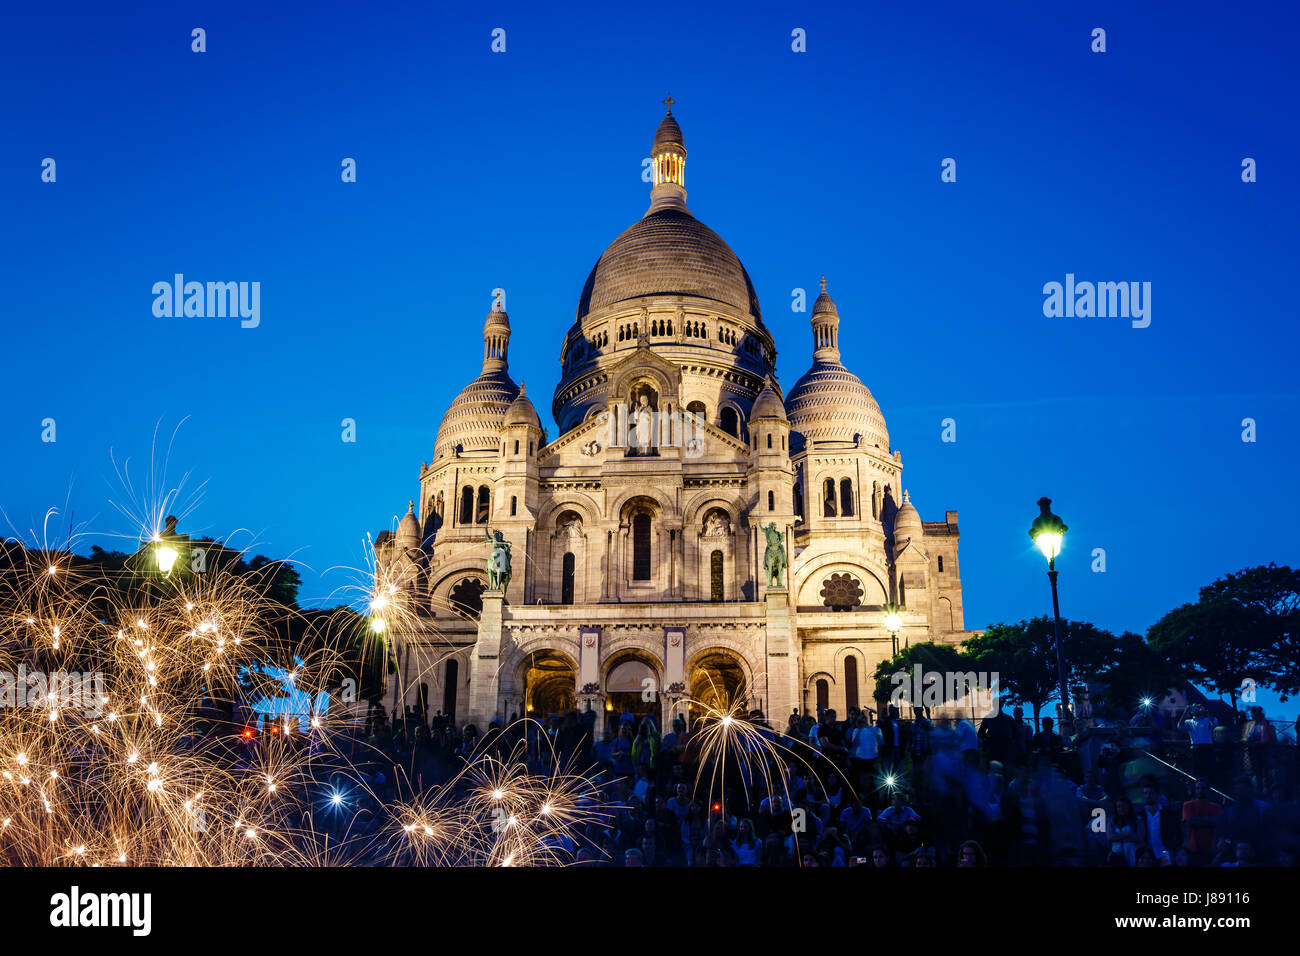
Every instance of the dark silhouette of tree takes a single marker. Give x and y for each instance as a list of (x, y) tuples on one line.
[(1024, 658), (1219, 641), (933, 658), (1271, 595)]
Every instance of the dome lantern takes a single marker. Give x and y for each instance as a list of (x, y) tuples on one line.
[(668, 161), (826, 328), (496, 337)]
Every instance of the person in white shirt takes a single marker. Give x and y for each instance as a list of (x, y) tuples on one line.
[(864, 750)]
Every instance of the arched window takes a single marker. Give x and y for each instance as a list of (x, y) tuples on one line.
[(641, 547), (467, 597), (769, 439), (828, 498), (516, 446), (566, 579), (850, 681), (846, 498), (450, 678), (730, 422), (798, 499), (715, 576), (514, 505), (697, 409), (771, 501), (484, 505), (941, 564), (466, 505), (823, 696)]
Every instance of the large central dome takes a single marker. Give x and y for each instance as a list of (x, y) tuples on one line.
[(669, 252)]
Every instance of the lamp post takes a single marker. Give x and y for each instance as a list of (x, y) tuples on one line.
[(893, 621), (1048, 532)]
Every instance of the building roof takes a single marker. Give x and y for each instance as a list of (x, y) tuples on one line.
[(669, 252)]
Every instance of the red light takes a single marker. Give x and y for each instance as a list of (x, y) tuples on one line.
[(717, 807), (248, 734), (275, 728)]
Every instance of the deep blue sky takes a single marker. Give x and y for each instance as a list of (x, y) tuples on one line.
[(479, 170)]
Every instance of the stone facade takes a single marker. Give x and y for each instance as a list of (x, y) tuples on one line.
[(638, 575)]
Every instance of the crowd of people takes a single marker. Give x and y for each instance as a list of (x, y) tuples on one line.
[(882, 790)]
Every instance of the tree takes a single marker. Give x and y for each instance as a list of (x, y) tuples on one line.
[(932, 658), (1024, 658), (1216, 641), (1271, 596), (1127, 668)]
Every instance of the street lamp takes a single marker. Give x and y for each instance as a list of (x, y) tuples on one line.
[(893, 621), (1048, 532), (166, 557)]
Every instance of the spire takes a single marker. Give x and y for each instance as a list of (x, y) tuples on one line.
[(826, 328), (668, 162), (496, 336)]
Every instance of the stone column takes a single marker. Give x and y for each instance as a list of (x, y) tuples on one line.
[(782, 658), (485, 684)]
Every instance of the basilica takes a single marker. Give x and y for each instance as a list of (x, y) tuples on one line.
[(691, 536)]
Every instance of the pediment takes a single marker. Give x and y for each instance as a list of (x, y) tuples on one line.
[(644, 363)]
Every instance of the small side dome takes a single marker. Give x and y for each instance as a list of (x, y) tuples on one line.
[(907, 521), (408, 529), (768, 404), (522, 412)]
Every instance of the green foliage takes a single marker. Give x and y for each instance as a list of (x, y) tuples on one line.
[(933, 658), (1024, 658), (1270, 596), (1217, 642)]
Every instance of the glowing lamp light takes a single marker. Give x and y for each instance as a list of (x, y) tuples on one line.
[(1050, 544), (1048, 531), (893, 621), (166, 557), (1147, 701)]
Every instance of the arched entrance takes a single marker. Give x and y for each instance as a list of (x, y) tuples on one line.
[(626, 687), (717, 682), (550, 684)]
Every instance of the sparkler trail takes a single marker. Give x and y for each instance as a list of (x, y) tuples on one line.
[(153, 768)]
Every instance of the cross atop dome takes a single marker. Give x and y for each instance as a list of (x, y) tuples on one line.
[(669, 101)]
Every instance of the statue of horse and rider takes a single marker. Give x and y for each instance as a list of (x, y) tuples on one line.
[(774, 560), (498, 562)]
